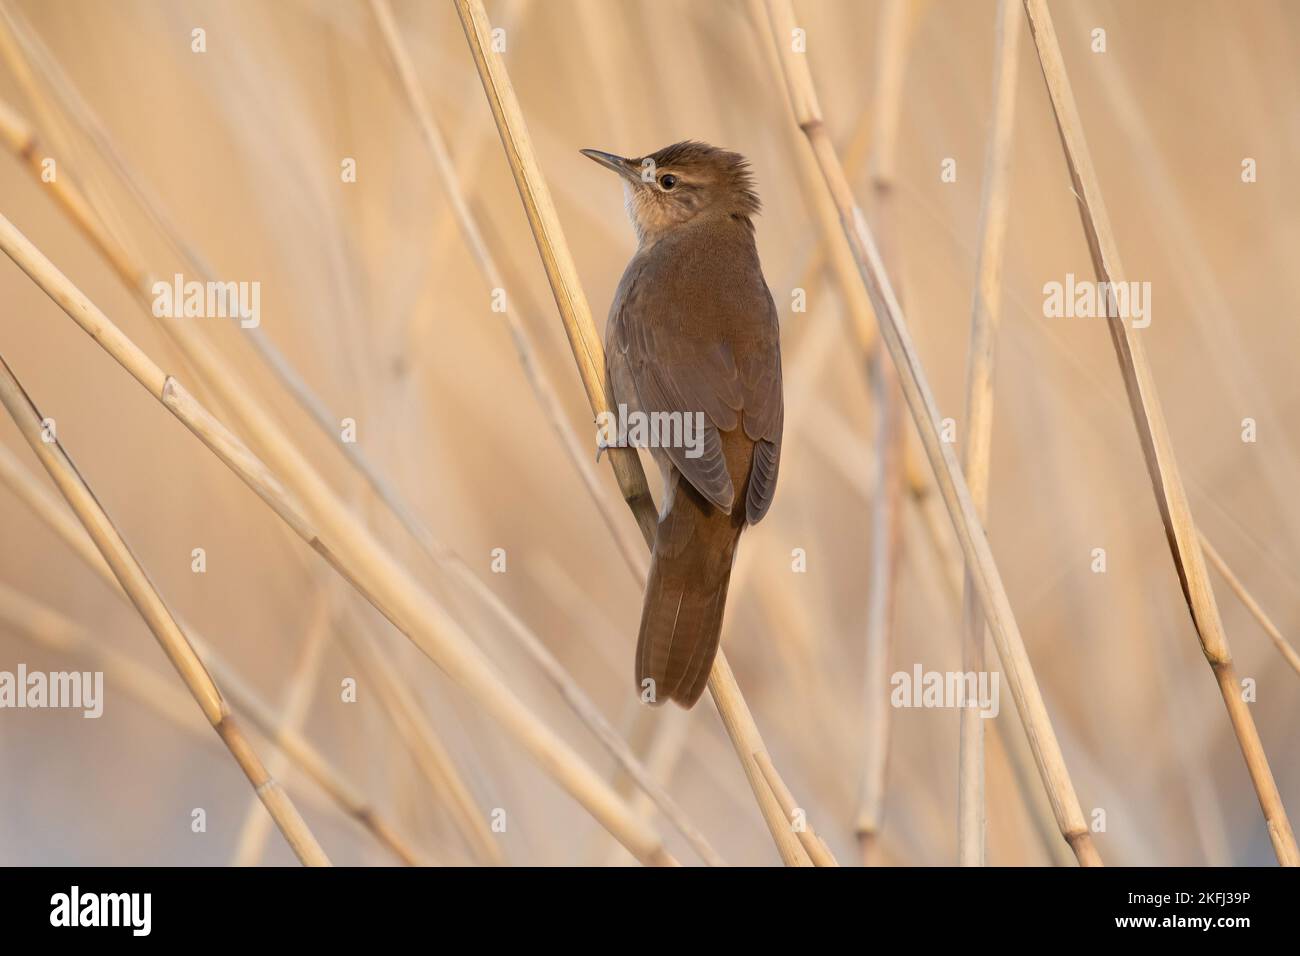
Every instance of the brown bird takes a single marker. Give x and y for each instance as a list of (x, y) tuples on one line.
[(693, 331)]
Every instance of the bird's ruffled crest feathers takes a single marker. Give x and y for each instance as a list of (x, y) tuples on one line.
[(693, 155)]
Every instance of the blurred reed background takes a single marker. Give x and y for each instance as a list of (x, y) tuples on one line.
[(370, 291)]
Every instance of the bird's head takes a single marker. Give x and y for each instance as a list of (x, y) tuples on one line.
[(680, 184)]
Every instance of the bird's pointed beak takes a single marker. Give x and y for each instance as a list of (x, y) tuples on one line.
[(624, 167)]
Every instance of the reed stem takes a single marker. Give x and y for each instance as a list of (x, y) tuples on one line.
[(943, 462), (589, 355), (135, 582), (986, 313), (1157, 449)]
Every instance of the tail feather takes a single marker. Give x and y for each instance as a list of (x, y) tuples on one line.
[(701, 663), (681, 620)]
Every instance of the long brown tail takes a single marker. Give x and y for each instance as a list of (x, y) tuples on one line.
[(681, 620)]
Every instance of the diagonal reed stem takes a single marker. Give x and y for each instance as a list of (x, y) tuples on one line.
[(426, 748), (873, 141), (363, 562), (22, 142), (51, 629), (1245, 597), (135, 582), (352, 550), (253, 832), (547, 398), (1157, 449), (817, 851), (588, 353), (947, 471), (492, 275)]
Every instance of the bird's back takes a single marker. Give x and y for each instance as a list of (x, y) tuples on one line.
[(693, 329)]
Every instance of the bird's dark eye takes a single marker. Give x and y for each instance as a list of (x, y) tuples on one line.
[(668, 182)]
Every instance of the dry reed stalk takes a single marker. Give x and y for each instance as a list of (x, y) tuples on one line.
[(414, 336), (802, 364), (12, 26), (424, 745), (882, 584), (893, 29), (313, 763), (833, 250), (310, 761), (952, 573), (1234, 583), (540, 383), (1158, 452), (817, 851), (828, 252), (588, 353), (427, 750), (352, 550), (986, 312), (556, 258), (50, 628), (586, 709), (966, 523), (263, 716), (874, 142), (225, 382), (1177, 689), (138, 280), (666, 740), (58, 519), (849, 454), (16, 37), (251, 842), (919, 483), (135, 582), (20, 139), (886, 538), (547, 398), (1206, 301), (746, 739)]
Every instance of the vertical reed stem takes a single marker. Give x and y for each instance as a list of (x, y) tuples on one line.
[(985, 315), (920, 399), (589, 355), (1157, 449)]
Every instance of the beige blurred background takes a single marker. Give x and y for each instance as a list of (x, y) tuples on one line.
[(369, 290)]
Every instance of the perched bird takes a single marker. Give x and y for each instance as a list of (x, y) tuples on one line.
[(693, 330)]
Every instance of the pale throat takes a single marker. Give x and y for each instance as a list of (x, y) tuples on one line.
[(652, 220)]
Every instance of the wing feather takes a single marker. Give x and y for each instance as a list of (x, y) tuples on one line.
[(695, 338)]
